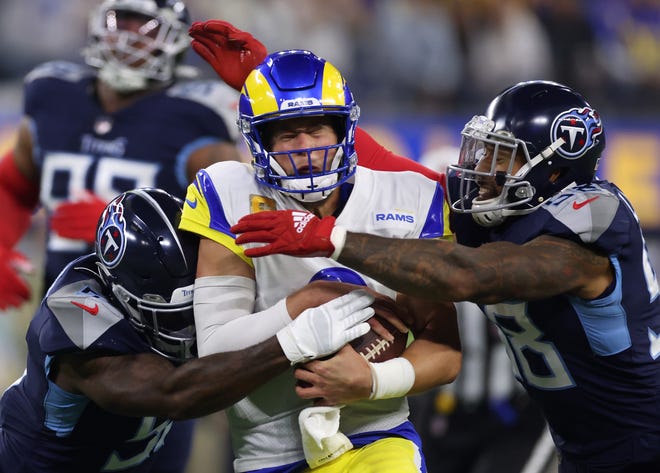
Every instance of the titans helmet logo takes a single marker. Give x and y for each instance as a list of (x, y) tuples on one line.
[(110, 237), (579, 128)]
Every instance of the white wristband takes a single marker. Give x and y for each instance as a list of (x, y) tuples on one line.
[(338, 238), (391, 378)]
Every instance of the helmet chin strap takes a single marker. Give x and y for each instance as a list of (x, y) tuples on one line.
[(295, 186), (487, 218), (498, 208)]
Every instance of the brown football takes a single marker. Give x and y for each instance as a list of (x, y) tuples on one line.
[(375, 348)]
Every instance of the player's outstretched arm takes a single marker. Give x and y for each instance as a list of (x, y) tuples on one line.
[(436, 269), (373, 155), (491, 273), (149, 385)]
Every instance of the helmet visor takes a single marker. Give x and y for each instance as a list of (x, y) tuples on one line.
[(487, 167)]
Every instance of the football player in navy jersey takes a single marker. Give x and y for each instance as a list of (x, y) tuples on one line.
[(124, 120), (553, 255), (111, 350)]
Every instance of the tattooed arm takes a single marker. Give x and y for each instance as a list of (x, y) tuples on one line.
[(437, 269), (491, 273)]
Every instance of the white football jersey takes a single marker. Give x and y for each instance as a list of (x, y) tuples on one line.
[(264, 425)]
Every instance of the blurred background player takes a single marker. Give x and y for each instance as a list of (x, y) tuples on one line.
[(112, 353), (89, 133)]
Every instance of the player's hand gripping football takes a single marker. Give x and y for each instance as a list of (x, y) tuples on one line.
[(78, 219), (323, 330), (13, 289), (290, 232), (231, 52)]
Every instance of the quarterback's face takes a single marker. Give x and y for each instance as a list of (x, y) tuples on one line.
[(300, 137)]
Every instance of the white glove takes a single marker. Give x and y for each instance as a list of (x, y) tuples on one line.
[(323, 330)]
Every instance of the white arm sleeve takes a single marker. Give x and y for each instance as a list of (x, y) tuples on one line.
[(224, 318)]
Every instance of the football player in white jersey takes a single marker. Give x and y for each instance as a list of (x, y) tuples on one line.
[(298, 118)]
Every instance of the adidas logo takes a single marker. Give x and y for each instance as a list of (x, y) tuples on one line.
[(300, 220)]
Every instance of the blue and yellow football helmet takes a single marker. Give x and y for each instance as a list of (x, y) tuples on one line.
[(291, 84)]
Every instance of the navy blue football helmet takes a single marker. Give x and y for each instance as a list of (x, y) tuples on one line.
[(553, 132), (292, 84), (131, 58), (149, 267)]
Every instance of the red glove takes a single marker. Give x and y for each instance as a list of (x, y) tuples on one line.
[(19, 196), (78, 219), (232, 53), (289, 232), (13, 289)]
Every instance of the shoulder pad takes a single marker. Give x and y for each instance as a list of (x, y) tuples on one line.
[(82, 311), (213, 94), (63, 70), (225, 175), (230, 173), (587, 210)]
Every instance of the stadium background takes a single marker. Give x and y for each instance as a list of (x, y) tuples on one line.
[(419, 70)]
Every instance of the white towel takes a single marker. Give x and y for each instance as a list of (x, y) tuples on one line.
[(321, 439)]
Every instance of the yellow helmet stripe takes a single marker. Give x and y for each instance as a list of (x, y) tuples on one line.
[(257, 86), (333, 86)]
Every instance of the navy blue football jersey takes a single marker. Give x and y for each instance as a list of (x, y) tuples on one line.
[(592, 365), (44, 428), (77, 146)]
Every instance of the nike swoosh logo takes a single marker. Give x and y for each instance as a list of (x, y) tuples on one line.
[(92, 310), (192, 203), (579, 205)]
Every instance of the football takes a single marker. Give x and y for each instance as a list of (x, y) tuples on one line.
[(375, 348)]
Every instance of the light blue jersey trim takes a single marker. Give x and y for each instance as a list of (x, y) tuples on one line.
[(62, 408), (184, 156), (604, 320)]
